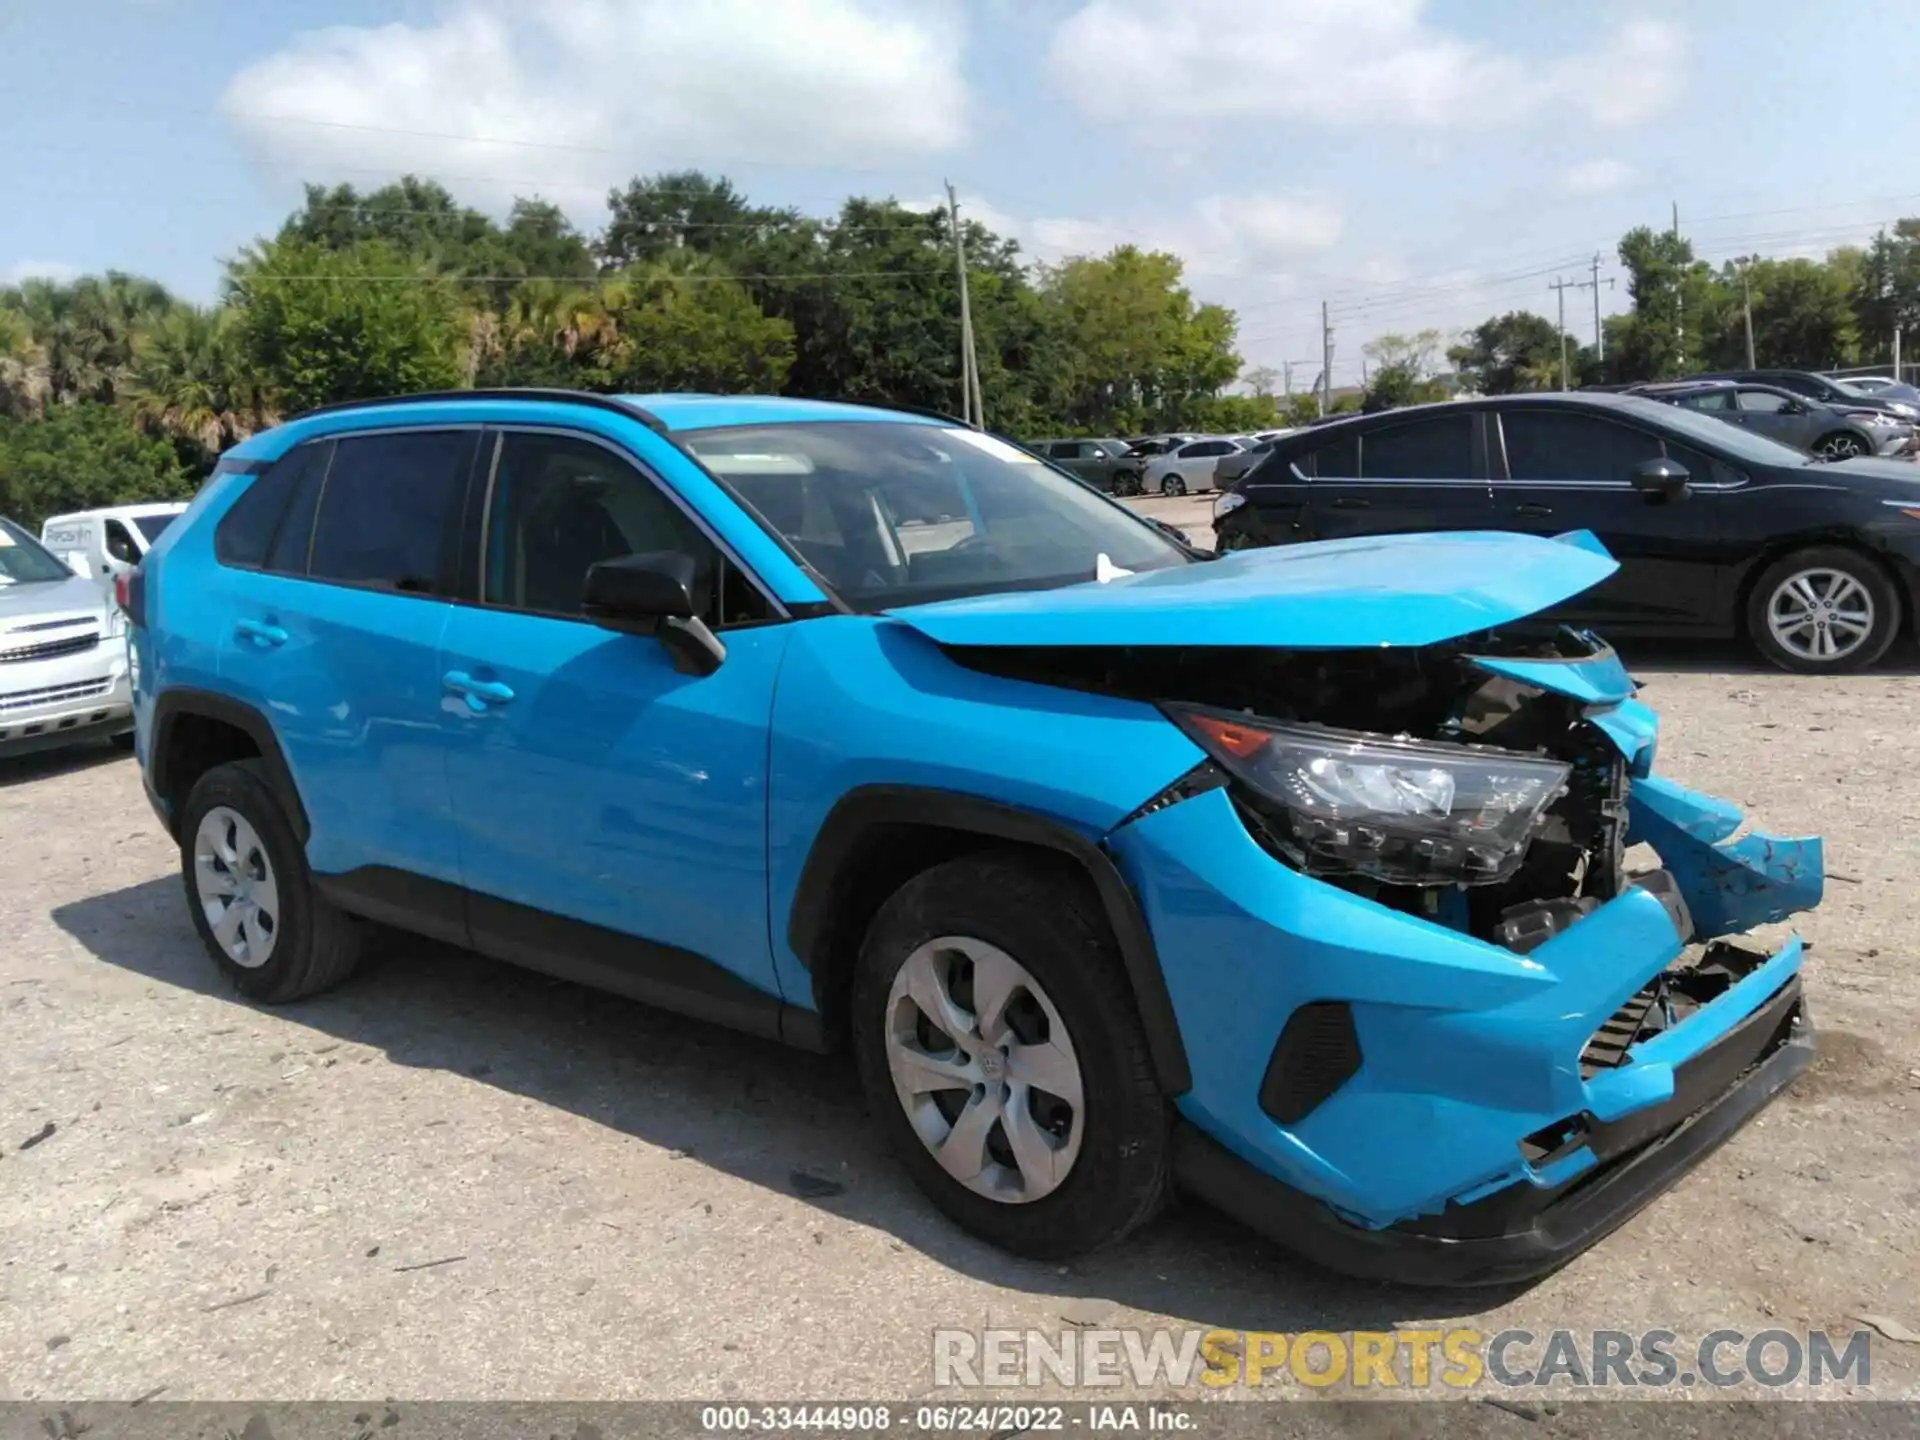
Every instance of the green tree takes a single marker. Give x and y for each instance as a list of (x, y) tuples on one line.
[(1507, 353), (23, 367), (80, 456), (189, 381), (684, 210), (85, 331), (319, 324), (1674, 304), (687, 326), (1402, 370), (1136, 352)]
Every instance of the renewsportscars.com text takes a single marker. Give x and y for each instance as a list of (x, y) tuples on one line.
[(1413, 1359)]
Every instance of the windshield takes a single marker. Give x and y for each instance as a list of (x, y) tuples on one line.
[(890, 513), (23, 561), (1719, 435), (151, 525)]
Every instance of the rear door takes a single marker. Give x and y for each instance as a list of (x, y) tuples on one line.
[(1422, 474), (336, 637), (1566, 469)]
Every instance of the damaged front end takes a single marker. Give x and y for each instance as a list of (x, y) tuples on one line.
[(1444, 1024)]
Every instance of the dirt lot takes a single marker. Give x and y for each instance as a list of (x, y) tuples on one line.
[(455, 1180)]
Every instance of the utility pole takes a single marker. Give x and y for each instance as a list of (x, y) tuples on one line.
[(971, 408), (1746, 305), (1599, 335), (1560, 288), (1326, 362), (1896, 352), (1286, 378)]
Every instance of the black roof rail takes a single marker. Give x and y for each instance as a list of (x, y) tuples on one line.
[(926, 412), (573, 397)]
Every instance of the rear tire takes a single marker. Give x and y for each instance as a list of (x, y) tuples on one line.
[(1126, 484), (1010, 931), (1823, 611), (269, 931)]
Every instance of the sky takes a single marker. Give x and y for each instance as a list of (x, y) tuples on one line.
[(1408, 163)]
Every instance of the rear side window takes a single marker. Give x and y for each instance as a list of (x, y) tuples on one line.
[(1762, 402), (1437, 449), (1549, 445), (389, 509), (245, 532)]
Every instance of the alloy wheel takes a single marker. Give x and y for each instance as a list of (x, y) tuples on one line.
[(984, 1068), (1842, 447), (233, 879), (1820, 615)]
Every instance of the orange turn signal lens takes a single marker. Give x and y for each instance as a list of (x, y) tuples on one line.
[(1242, 742)]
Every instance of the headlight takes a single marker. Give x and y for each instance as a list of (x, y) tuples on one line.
[(1227, 504), (1903, 410), (1409, 812)]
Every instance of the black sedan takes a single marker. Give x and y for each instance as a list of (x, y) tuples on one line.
[(1719, 532)]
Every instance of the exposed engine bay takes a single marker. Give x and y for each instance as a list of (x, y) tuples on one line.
[(1239, 703)]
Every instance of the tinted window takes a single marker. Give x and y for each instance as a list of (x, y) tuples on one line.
[(562, 505), (120, 544), (246, 531), (1437, 449), (1063, 450), (151, 525), (293, 541), (1338, 461), (1763, 402), (388, 507), (1712, 401), (1549, 445)]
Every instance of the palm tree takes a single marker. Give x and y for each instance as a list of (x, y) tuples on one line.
[(186, 380), (87, 330), (23, 367)]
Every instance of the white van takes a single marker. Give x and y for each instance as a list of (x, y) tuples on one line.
[(99, 544)]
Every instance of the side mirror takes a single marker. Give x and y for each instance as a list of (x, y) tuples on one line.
[(652, 594), (1661, 481)]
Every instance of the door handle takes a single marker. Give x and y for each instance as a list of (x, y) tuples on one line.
[(1346, 503), (1529, 508), (260, 633), (479, 694)]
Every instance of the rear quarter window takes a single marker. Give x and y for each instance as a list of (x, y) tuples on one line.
[(245, 533)]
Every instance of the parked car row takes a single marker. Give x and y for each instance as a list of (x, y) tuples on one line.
[(1719, 529), (1834, 419), (1171, 464)]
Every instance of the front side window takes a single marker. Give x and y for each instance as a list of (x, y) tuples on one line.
[(894, 513), (1561, 445), (562, 504), (388, 509), (24, 561), (120, 544), (1762, 402)]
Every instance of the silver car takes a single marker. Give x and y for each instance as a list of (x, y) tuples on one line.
[(1832, 432), (63, 653)]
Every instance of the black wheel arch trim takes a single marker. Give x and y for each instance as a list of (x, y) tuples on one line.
[(171, 705), (829, 864)]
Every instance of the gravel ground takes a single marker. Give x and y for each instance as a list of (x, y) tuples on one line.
[(451, 1179)]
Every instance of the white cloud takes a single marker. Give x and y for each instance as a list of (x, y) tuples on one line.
[(1596, 177), (597, 90), (56, 270), (1341, 62)]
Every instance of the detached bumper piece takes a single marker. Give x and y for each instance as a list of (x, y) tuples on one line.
[(1527, 1230)]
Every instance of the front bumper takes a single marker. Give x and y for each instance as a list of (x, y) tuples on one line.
[(1469, 1138), (45, 704)]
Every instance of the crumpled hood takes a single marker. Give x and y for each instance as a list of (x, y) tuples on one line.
[(50, 600), (1398, 590)]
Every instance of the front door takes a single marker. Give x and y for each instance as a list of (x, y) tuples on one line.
[(611, 810), (1566, 470), (1402, 479)]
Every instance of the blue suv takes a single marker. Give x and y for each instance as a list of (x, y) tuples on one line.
[(1295, 878)]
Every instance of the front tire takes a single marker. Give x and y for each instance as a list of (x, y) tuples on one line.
[(1841, 445), (1172, 485), (269, 931), (1001, 1053), (1823, 611)]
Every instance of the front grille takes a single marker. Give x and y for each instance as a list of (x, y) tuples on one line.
[(50, 649), (1318, 1052), (52, 695)]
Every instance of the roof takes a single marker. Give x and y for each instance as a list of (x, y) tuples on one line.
[(707, 412), (137, 508)]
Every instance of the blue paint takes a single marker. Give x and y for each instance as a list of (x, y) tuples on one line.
[(573, 769), (1339, 594)]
